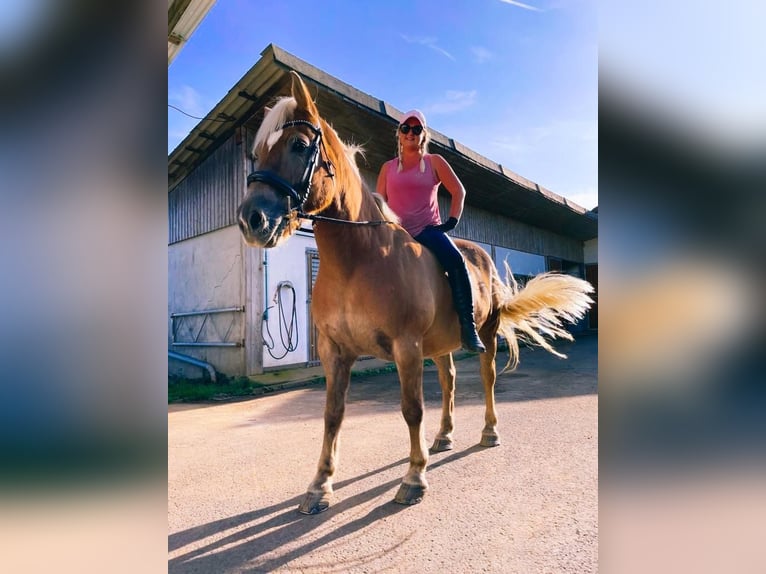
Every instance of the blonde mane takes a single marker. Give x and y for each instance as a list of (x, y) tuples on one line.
[(388, 213), (282, 111), (271, 127)]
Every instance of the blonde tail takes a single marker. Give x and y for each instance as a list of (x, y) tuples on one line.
[(538, 310)]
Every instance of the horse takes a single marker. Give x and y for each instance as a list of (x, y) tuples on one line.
[(379, 292)]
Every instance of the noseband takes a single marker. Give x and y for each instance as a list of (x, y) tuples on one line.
[(299, 193)]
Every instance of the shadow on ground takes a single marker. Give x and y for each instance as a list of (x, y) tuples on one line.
[(263, 532)]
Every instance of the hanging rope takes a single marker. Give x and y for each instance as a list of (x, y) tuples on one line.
[(286, 330)]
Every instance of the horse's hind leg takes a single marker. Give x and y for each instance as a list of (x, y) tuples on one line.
[(409, 363), (446, 367), (489, 436), (337, 367)]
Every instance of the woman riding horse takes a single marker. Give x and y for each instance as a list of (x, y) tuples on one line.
[(378, 291), (409, 183)]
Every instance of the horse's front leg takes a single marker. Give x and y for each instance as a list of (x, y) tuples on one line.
[(446, 367), (409, 363), (337, 367)]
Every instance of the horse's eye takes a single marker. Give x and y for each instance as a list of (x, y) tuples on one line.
[(299, 146)]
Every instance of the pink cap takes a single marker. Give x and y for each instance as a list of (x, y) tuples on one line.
[(418, 115)]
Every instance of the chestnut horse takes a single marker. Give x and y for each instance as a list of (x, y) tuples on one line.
[(378, 291)]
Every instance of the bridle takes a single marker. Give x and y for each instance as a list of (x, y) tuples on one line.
[(298, 194)]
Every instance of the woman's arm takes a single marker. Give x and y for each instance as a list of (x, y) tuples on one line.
[(451, 183), (380, 188)]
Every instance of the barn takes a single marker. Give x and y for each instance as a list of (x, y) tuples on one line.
[(239, 310)]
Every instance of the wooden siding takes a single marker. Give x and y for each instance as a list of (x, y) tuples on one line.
[(207, 198), (485, 227), (491, 228)]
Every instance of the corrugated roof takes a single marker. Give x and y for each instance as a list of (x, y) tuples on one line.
[(183, 18), (363, 119)]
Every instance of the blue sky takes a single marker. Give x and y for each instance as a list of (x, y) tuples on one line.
[(516, 82)]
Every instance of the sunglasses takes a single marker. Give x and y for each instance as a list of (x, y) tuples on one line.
[(405, 129)]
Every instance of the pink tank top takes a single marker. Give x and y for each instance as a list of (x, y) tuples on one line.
[(412, 195)]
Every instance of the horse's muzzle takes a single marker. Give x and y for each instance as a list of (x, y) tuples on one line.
[(258, 229)]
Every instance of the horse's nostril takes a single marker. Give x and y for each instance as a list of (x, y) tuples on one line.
[(254, 220)]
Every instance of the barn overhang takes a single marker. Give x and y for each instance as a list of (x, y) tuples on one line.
[(362, 119)]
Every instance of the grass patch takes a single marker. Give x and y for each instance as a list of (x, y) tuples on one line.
[(181, 390)]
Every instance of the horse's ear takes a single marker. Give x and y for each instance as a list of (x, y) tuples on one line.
[(301, 94)]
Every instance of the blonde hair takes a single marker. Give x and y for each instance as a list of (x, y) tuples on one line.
[(271, 127), (423, 148)]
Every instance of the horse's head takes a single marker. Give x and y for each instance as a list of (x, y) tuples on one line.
[(294, 170)]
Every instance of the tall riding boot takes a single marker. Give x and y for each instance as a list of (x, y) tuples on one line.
[(462, 296)]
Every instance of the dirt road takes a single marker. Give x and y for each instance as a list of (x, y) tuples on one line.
[(237, 471)]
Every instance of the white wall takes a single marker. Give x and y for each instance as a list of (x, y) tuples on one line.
[(206, 272), (287, 263)]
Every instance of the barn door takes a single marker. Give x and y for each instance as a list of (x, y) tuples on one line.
[(312, 268)]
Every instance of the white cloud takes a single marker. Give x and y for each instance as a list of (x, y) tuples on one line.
[(453, 101), (428, 42), (520, 5), (561, 155), (481, 54), (576, 133), (586, 197), (188, 99), (514, 144)]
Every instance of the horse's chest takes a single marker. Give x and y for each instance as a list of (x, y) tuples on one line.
[(357, 316)]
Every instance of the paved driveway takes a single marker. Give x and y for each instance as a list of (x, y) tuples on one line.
[(237, 471)]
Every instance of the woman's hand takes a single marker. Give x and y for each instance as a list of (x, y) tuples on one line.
[(448, 225)]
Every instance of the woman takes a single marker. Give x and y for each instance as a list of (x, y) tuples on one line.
[(409, 184)]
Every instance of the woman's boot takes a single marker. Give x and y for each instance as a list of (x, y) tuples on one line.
[(463, 299)]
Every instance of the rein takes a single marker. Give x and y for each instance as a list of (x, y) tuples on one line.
[(316, 218), (300, 193)]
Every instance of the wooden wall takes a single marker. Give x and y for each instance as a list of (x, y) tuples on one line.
[(207, 198)]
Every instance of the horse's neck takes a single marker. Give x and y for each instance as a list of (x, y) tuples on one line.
[(351, 201), (343, 244)]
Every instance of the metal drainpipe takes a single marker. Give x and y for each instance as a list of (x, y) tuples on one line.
[(195, 362), (265, 315)]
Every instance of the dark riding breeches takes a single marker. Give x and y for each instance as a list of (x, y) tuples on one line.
[(452, 261), (444, 249)]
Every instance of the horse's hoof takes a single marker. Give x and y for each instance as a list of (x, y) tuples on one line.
[(410, 494), (488, 439), (441, 444), (314, 503)]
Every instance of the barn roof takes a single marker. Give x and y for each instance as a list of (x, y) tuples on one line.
[(351, 112)]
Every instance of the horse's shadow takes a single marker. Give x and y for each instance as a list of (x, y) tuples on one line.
[(247, 544)]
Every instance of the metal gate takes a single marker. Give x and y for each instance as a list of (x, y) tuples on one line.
[(204, 328)]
